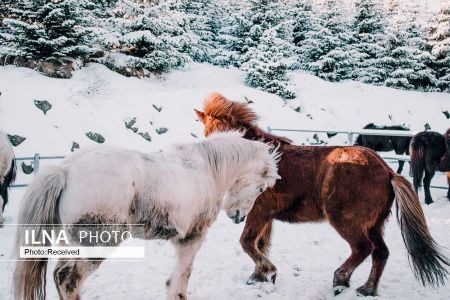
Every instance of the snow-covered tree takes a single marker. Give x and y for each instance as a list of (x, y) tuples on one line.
[(303, 20), (233, 32), (325, 50), (267, 65), (148, 36), (369, 27), (244, 27), (440, 42), (407, 60), (46, 30), (202, 20)]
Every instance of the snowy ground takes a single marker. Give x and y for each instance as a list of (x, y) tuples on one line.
[(306, 255)]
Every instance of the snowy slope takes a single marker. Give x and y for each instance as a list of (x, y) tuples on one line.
[(99, 100)]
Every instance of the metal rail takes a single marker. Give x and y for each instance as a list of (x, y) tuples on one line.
[(36, 161), (350, 135)]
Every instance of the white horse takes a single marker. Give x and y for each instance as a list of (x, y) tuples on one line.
[(177, 195), (7, 171)]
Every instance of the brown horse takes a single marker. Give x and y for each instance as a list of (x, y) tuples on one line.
[(350, 187), (430, 152)]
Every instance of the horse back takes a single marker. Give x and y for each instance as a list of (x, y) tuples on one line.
[(317, 179)]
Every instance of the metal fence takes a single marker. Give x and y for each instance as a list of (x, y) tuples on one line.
[(36, 162), (350, 138), (351, 135)]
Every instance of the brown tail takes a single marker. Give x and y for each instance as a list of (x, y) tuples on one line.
[(417, 151), (429, 265)]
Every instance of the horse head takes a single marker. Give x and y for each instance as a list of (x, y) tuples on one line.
[(260, 174), (221, 114)]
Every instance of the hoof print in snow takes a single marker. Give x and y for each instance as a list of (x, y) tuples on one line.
[(146, 136), (129, 125), (75, 146), (158, 108), (248, 100), (43, 105), (16, 140), (96, 137), (331, 134), (447, 114), (298, 109), (194, 135), (427, 126), (390, 117), (309, 116), (161, 130), (27, 168)]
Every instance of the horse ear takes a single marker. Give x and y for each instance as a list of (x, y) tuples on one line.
[(201, 115)]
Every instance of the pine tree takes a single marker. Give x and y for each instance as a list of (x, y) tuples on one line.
[(245, 27), (440, 42), (233, 32), (202, 19), (407, 60), (148, 36), (368, 25), (325, 50), (45, 30), (303, 21), (267, 65)]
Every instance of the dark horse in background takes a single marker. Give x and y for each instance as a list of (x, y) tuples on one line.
[(430, 152), (385, 143), (350, 187), (7, 171)]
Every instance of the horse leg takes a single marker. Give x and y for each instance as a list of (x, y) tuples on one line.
[(69, 276), (401, 163), (4, 200), (264, 240), (255, 240), (380, 255), (448, 181), (426, 186), (178, 281), (361, 247)]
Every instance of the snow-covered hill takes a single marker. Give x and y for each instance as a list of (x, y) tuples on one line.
[(100, 101)]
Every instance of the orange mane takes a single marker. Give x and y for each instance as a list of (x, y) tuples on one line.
[(217, 106)]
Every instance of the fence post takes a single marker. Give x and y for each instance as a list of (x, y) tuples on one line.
[(350, 138), (36, 162), (268, 129)]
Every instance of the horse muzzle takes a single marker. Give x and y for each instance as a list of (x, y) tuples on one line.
[(237, 218)]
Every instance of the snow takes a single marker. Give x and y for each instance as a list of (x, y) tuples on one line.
[(99, 100)]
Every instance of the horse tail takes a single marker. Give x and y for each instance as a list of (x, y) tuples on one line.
[(429, 265), (417, 153), (40, 207)]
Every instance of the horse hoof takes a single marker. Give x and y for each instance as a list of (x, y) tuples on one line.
[(429, 202), (272, 276), (338, 289), (256, 278), (364, 292)]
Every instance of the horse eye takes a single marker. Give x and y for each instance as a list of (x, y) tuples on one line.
[(261, 190)]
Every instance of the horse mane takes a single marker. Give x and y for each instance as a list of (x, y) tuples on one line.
[(216, 105), (238, 115), (228, 150)]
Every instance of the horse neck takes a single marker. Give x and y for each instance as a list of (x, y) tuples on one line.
[(253, 132), (227, 164)]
